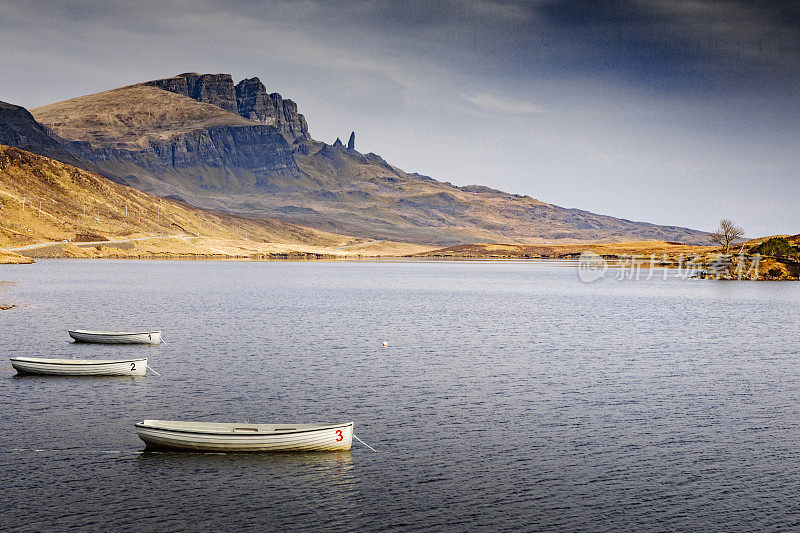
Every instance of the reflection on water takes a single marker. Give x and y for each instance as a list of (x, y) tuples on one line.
[(338, 463), (510, 396), (95, 380), (327, 478)]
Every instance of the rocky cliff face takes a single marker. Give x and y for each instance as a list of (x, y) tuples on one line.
[(215, 89), (255, 104), (258, 148), (289, 120), (248, 98), (252, 101)]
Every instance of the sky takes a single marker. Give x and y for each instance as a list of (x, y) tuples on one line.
[(677, 112)]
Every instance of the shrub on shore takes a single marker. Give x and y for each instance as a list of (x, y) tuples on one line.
[(776, 247)]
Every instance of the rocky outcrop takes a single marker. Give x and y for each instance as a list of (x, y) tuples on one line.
[(351, 142), (255, 104), (304, 146), (289, 121), (248, 98), (19, 129), (215, 89)]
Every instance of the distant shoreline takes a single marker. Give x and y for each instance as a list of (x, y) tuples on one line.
[(695, 270), (703, 261)]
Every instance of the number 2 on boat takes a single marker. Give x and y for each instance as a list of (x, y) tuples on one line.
[(133, 367)]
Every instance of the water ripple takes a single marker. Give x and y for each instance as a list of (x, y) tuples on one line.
[(510, 396)]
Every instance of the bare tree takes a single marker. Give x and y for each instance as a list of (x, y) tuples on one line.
[(726, 233)]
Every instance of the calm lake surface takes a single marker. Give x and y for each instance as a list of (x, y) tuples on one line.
[(510, 396)]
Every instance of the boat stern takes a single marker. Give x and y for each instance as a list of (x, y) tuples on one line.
[(138, 368), (346, 436)]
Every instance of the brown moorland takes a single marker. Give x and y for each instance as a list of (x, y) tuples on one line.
[(568, 251), (45, 201)]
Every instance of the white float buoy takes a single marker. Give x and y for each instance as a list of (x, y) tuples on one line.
[(385, 343)]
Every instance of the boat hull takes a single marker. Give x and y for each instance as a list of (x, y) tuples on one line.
[(75, 367), (98, 337), (206, 437)]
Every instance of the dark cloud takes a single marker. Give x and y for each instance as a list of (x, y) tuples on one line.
[(588, 13), (684, 45), (702, 45), (677, 45)]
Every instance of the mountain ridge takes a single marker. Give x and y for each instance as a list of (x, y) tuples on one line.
[(186, 136)]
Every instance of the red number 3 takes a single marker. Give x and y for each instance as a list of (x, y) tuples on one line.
[(339, 436)]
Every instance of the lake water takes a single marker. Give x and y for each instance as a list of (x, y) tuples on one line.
[(511, 396)]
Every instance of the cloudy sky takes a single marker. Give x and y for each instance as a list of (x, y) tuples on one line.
[(674, 111)]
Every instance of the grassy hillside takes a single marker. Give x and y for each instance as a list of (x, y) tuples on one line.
[(11, 258), (128, 117), (43, 200)]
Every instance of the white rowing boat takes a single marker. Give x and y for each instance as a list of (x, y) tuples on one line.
[(218, 437), (79, 367), (116, 337)]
